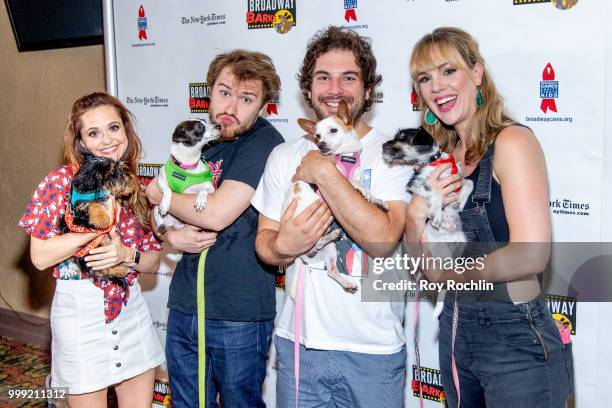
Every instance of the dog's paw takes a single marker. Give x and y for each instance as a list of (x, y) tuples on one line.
[(201, 201), (200, 205), (164, 206)]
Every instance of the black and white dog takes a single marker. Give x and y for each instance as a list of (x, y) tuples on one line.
[(185, 171), (417, 148)]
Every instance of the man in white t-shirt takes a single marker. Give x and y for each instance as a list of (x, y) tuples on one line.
[(352, 353)]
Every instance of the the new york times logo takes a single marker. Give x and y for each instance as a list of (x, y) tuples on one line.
[(199, 98), (569, 207), (209, 19)]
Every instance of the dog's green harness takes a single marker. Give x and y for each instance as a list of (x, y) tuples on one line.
[(179, 179)]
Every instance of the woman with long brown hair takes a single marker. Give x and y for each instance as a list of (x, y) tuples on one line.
[(102, 331)]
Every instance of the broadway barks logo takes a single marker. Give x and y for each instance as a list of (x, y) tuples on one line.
[(161, 393), (430, 382), (277, 14), (199, 98), (147, 172), (560, 4), (563, 310)]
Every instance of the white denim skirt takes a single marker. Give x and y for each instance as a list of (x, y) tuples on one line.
[(89, 355)]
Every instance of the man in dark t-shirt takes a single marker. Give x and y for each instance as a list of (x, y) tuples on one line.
[(239, 289)]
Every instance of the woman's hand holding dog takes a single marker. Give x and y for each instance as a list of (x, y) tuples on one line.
[(109, 255), (417, 209)]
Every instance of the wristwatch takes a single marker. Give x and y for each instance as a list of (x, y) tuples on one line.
[(135, 260)]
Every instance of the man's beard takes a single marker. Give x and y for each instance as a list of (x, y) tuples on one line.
[(356, 111)]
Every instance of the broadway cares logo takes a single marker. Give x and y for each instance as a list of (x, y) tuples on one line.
[(272, 110), (549, 94), (143, 25), (350, 14)]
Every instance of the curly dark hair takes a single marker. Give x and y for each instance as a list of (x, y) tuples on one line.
[(336, 38)]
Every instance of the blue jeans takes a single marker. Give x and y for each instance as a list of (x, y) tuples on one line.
[(342, 379), (506, 356), (236, 354)]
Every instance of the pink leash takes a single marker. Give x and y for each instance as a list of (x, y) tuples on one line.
[(297, 325), (454, 364), (347, 165)]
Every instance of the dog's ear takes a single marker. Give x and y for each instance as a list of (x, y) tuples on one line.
[(85, 153), (344, 113), (308, 126)]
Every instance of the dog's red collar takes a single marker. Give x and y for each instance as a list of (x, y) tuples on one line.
[(454, 169), (183, 165)]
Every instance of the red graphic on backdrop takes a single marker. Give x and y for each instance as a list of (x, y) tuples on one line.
[(349, 15), (272, 109), (549, 89), (142, 24)]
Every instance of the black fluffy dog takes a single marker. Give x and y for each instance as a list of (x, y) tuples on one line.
[(97, 187)]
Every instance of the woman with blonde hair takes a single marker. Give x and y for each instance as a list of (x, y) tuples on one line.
[(102, 332), (498, 348)]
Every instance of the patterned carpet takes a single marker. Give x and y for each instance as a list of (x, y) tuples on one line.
[(22, 366)]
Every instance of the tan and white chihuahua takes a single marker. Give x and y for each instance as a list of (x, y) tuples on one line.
[(333, 136)]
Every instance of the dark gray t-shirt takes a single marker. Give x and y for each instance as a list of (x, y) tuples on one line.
[(238, 285)]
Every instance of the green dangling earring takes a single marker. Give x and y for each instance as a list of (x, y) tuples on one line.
[(430, 118), (479, 99)]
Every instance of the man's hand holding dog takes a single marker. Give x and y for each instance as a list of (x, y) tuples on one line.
[(298, 235), (154, 194), (190, 239), (314, 165)]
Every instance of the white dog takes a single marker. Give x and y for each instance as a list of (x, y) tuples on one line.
[(185, 171), (333, 136)]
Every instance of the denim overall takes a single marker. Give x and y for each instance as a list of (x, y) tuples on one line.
[(507, 355)]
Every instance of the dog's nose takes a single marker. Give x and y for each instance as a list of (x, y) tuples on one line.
[(198, 126), (322, 146)]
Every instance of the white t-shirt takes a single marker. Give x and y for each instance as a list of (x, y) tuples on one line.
[(334, 319)]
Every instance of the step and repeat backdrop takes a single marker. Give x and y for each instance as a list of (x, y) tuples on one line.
[(549, 59)]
